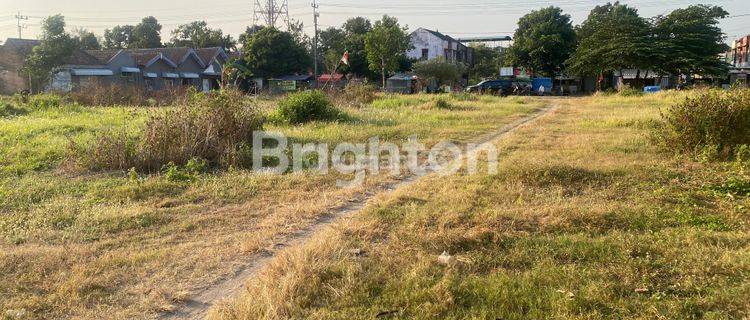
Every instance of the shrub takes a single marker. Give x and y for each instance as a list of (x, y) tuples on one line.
[(305, 106), (188, 173), (357, 93), (713, 123), (628, 91), (441, 103), (214, 128), (44, 101)]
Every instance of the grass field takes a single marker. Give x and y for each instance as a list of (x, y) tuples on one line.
[(92, 245), (586, 220)]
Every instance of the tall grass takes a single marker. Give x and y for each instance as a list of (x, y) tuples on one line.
[(712, 123), (214, 128)]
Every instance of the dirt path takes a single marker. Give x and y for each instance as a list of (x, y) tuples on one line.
[(197, 307)]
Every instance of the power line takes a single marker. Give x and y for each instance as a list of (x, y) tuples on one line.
[(19, 17)]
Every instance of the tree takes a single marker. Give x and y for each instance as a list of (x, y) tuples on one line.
[(87, 40), (273, 53), (614, 37), (358, 25), (689, 41), (487, 63), (119, 37), (249, 32), (440, 70), (385, 45), (54, 47), (146, 34), (197, 34), (544, 40), (355, 30)]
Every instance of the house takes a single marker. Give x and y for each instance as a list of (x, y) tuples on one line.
[(639, 78), (738, 59), (13, 53), (428, 45), (150, 69)]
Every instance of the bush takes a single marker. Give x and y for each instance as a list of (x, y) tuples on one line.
[(44, 101), (628, 91), (358, 93), (305, 106), (713, 123), (188, 173), (441, 103), (214, 128)]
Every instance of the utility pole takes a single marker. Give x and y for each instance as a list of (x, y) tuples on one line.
[(19, 17), (315, 41)]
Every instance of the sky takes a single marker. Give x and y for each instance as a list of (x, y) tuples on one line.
[(456, 18)]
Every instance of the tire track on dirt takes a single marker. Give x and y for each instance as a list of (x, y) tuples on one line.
[(197, 307)]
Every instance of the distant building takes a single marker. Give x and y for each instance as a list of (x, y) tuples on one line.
[(430, 45), (151, 69), (13, 53), (738, 58)]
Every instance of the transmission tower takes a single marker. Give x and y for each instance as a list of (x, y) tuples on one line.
[(270, 12)]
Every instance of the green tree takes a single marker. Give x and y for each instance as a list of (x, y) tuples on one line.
[(487, 62), (197, 34), (119, 37), (357, 25), (355, 30), (614, 37), (544, 40), (146, 34), (386, 44), (54, 48), (272, 53), (249, 32), (440, 70), (689, 41), (87, 40)]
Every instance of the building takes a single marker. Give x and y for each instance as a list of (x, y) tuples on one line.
[(150, 69), (738, 58), (428, 45), (12, 55)]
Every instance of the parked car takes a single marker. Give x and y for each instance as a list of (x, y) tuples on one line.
[(498, 87)]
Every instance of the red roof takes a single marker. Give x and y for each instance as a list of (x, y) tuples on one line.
[(329, 77)]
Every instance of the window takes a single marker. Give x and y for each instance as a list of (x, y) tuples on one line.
[(425, 54)]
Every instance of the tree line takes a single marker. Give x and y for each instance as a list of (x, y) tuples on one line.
[(612, 38), (615, 37)]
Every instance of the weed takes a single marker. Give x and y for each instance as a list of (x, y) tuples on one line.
[(188, 173)]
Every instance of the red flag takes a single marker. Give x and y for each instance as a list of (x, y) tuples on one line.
[(345, 58)]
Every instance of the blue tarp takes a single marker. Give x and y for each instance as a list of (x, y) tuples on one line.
[(538, 82), (652, 89)]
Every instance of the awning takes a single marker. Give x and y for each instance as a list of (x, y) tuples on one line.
[(189, 75), (130, 70), (91, 72), (150, 75), (170, 75)]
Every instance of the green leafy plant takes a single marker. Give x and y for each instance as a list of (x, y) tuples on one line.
[(187, 173), (305, 106)]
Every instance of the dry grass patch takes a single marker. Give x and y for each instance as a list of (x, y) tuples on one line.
[(565, 231)]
